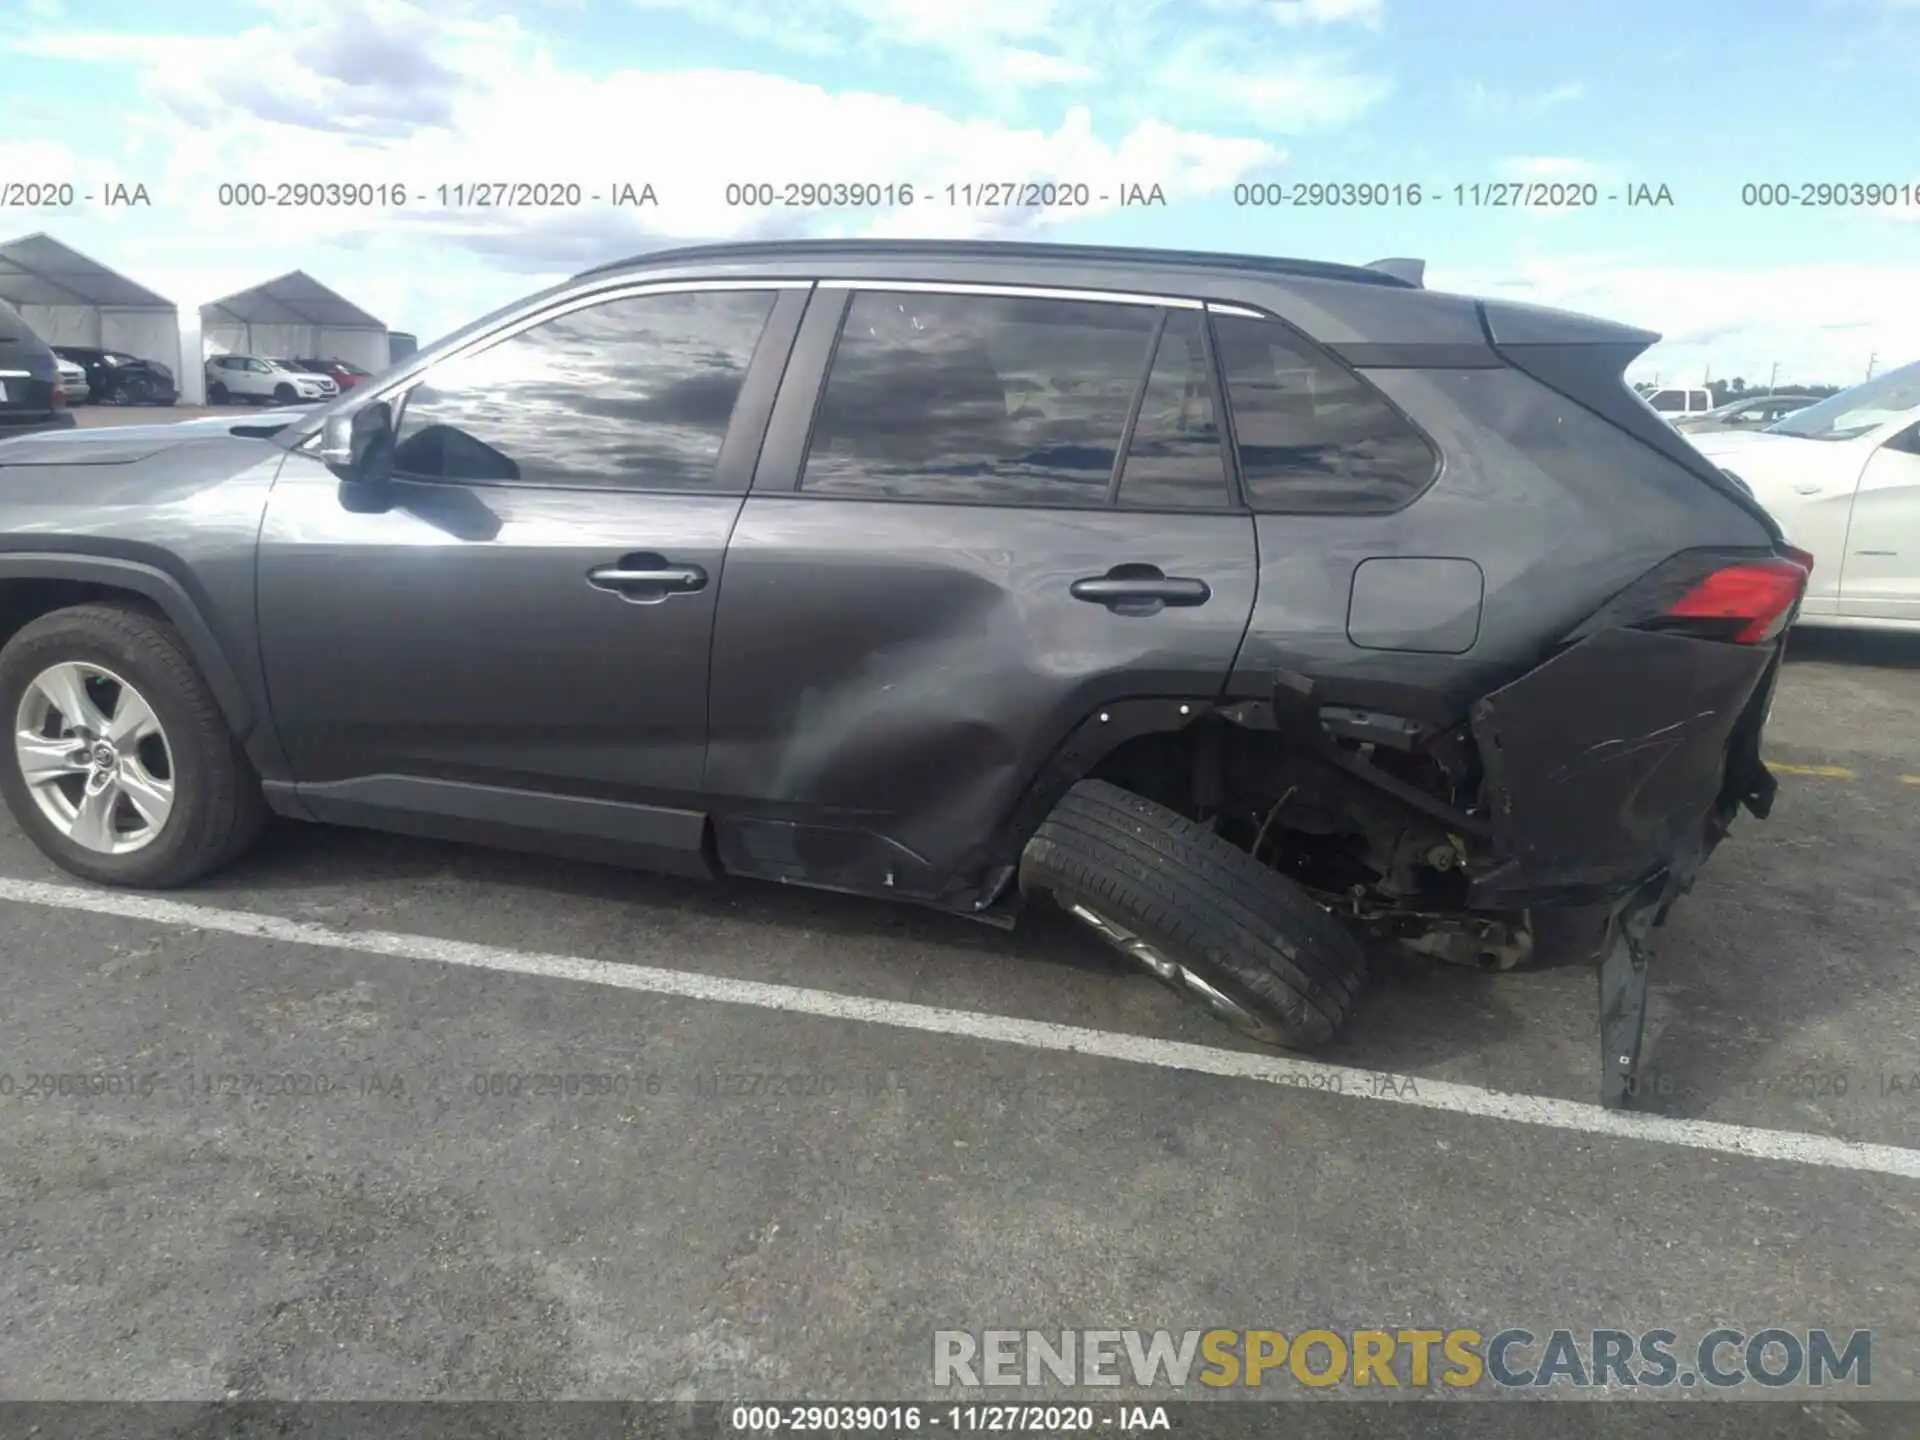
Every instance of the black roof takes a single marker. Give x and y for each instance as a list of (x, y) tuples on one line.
[(1008, 250)]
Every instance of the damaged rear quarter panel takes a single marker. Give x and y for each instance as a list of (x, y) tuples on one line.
[(1604, 761)]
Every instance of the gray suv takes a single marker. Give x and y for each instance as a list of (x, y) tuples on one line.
[(1250, 610)]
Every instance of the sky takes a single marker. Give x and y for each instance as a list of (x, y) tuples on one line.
[(1200, 107)]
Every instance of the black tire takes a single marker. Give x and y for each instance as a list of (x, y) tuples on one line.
[(1288, 967), (218, 810), (216, 394), (138, 393), (283, 395)]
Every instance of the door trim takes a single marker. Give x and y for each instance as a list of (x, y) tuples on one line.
[(657, 837)]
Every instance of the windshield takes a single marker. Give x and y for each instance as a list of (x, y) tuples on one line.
[(1854, 412)]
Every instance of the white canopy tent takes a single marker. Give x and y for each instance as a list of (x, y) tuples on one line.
[(293, 316), (70, 299)]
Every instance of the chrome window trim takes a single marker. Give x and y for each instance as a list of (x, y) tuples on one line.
[(1026, 292), (1216, 308), (538, 312)]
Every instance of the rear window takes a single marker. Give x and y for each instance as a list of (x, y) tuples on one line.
[(1314, 438)]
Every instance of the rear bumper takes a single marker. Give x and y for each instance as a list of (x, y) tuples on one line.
[(1623, 758)]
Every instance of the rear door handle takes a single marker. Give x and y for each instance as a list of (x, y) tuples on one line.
[(647, 579), (1808, 489), (1140, 590)]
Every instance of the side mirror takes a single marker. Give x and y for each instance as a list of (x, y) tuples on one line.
[(359, 447)]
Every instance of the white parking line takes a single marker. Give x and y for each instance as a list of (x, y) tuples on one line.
[(1349, 1083)]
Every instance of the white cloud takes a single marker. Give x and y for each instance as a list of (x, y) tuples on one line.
[(1236, 50), (1284, 97), (415, 100), (1031, 67), (37, 160), (1328, 12), (1483, 100)]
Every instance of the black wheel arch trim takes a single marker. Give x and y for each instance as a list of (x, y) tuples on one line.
[(183, 612), (1098, 734)]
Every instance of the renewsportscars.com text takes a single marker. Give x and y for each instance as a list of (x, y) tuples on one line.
[(1774, 1357)]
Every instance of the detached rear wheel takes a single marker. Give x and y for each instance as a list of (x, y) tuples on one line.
[(121, 768), (1199, 913)]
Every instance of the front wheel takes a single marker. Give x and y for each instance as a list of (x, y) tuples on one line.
[(122, 769), (217, 394), (283, 395), (1199, 913)]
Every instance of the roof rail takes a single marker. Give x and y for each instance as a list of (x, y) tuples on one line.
[(995, 249), (1414, 272)]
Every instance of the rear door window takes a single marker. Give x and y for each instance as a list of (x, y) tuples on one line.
[(982, 399)]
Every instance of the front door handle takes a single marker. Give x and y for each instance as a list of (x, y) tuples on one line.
[(647, 579), (1808, 489), (1140, 590)]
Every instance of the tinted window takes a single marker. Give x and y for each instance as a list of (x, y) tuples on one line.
[(634, 393), (1313, 438), (1669, 400), (977, 398), (1174, 460)]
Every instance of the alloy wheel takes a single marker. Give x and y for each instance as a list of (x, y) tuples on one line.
[(95, 758)]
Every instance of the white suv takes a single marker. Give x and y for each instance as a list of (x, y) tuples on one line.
[(256, 381), (1676, 402)]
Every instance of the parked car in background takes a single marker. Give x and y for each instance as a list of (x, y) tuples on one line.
[(1842, 477), (249, 379), (30, 393), (115, 377), (1671, 404), (1160, 586), (344, 373), (1748, 413), (73, 380)]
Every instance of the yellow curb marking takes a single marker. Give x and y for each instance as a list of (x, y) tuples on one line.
[(1825, 772)]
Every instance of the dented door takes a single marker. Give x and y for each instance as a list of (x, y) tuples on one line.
[(887, 678), (937, 575)]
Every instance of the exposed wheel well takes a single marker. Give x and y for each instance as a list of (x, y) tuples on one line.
[(1324, 823)]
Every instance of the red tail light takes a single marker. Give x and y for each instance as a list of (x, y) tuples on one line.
[(1753, 598), (59, 397)]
